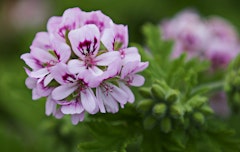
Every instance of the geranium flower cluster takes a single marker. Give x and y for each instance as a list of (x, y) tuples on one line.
[(214, 39), (83, 64)]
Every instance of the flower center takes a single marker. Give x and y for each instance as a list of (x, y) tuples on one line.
[(89, 62)]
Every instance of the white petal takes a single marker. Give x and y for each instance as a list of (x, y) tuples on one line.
[(89, 101), (131, 97), (63, 91), (76, 118), (137, 81), (50, 107), (72, 108), (107, 58), (119, 95), (39, 73), (76, 66), (100, 97), (47, 80)]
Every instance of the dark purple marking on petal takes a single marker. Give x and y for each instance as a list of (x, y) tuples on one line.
[(69, 78), (85, 47), (57, 55), (99, 24)]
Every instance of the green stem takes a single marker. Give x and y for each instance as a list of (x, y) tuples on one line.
[(209, 87)]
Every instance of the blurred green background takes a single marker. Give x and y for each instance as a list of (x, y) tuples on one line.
[(23, 124)]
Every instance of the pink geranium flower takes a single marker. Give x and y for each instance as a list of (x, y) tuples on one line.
[(82, 64)]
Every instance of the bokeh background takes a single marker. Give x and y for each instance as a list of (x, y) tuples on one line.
[(23, 124)]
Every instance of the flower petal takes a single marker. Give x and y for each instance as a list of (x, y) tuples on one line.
[(89, 101), (118, 94), (63, 91), (77, 117), (72, 108), (100, 97), (85, 40), (130, 54), (76, 66), (31, 61), (42, 55), (50, 107), (42, 41), (47, 80), (137, 80), (39, 73), (107, 58), (125, 88)]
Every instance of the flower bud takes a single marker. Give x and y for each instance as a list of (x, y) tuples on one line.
[(158, 92), (176, 111), (149, 122), (145, 105), (159, 109), (145, 92), (207, 110), (197, 101), (172, 96), (166, 125), (198, 117)]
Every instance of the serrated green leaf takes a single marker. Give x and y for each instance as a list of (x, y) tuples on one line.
[(107, 137)]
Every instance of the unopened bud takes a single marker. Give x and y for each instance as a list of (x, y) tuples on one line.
[(172, 96), (158, 92), (207, 110), (197, 101), (166, 125), (145, 105), (145, 92), (199, 118), (159, 109), (176, 111), (149, 122)]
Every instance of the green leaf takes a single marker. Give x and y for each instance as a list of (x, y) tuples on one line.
[(108, 137)]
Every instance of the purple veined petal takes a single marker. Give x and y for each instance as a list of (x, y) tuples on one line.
[(47, 79), (39, 73), (43, 91), (92, 77), (77, 117), (107, 58), (71, 18), (110, 103), (63, 91), (118, 94), (108, 39), (41, 41), (61, 49), (121, 35), (31, 61), (141, 66), (137, 80), (31, 82), (88, 100), (61, 74), (42, 55), (72, 108), (100, 97), (76, 66), (58, 114), (125, 88), (129, 68), (51, 106), (95, 71), (129, 55), (98, 19), (53, 23), (85, 41)]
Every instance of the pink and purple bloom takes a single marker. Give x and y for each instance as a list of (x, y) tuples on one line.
[(83, 64), (213, 39)]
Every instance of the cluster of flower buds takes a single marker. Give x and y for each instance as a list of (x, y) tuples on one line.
[(83, 64), (213, 39), (166, 107)]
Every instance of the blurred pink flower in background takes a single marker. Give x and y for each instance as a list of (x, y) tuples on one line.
[(213, 39)]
